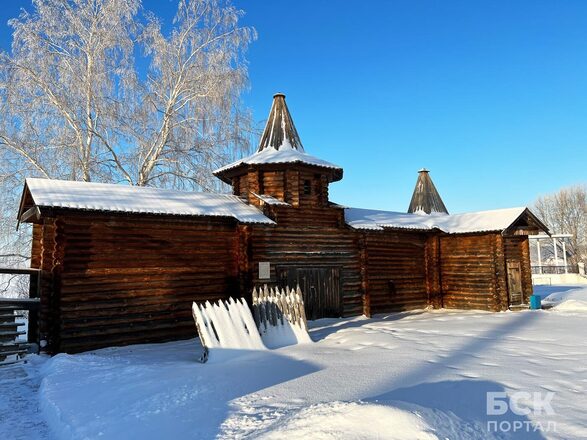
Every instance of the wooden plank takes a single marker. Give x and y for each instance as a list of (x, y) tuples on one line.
[(18, 271)]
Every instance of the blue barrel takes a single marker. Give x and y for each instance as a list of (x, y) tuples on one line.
[(535, 302)]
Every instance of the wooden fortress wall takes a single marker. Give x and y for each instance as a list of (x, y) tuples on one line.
[(472, 272), (116, 280), (313, 237), (395, 270)]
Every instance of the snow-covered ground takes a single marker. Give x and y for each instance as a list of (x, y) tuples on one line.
[(572, 298), (413, 375)]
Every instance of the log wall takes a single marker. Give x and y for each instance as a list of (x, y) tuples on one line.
[(433, 275), (116, 280), (124, 281), (302, 187), (309, 238), (396, 270), (472, 272), (43, 257)]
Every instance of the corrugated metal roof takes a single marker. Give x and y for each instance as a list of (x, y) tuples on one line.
[(135, 199), (270, 200), (481, 221), (281, 156)]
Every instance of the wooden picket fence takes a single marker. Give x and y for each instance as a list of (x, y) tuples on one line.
[(277, 314), (273, 307)]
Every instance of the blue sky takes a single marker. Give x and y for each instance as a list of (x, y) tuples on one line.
[(491, 96)]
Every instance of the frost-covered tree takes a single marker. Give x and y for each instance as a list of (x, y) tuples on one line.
[(565, 212), (189, 105), (63, 85), (75, 105)]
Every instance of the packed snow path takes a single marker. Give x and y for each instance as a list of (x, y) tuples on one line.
[(412, 375), (20, 415)]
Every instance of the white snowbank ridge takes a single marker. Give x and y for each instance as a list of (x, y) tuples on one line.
[(134, 199), (352, 420), (493, 220), (566, 299)]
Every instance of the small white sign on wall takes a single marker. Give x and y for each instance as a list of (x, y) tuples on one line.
[(264, 270)]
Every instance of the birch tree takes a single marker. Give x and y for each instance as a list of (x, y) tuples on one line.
[(74, 105), (64, 85), (189, 107), (565, 212)]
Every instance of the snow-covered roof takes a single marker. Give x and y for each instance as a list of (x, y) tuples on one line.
[(270, 200), (279, 144), (133, 199), (284, 155), (481, 221)]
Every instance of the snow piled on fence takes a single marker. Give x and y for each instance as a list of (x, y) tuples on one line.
[(281, 316), (227, 325)]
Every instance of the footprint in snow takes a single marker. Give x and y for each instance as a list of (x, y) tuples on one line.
[(569, 385), (489, 364), (473, 355), (470, 375), (554, 389), (530, 373), (452, 367)]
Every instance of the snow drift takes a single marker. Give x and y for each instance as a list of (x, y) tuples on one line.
[(567, 299)]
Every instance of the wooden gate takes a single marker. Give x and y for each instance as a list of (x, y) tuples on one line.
[(320, 287), (515, 283)]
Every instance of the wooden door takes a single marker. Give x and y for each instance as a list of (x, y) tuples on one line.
[(320, 288), (515, 283)]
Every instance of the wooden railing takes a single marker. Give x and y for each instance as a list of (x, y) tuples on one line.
[(554, 270), (10, 345)]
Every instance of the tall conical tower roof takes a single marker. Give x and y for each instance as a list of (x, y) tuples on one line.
[(426, 198), (280, 144), (280, 131)]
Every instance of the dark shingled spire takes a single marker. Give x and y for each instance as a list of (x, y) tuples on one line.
[(426, 197), (280, 131)]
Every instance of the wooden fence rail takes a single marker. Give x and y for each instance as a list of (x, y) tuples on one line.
[(274, 307), (11, 347)]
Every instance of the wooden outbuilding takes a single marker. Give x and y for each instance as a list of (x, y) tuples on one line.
[(122, 265)]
